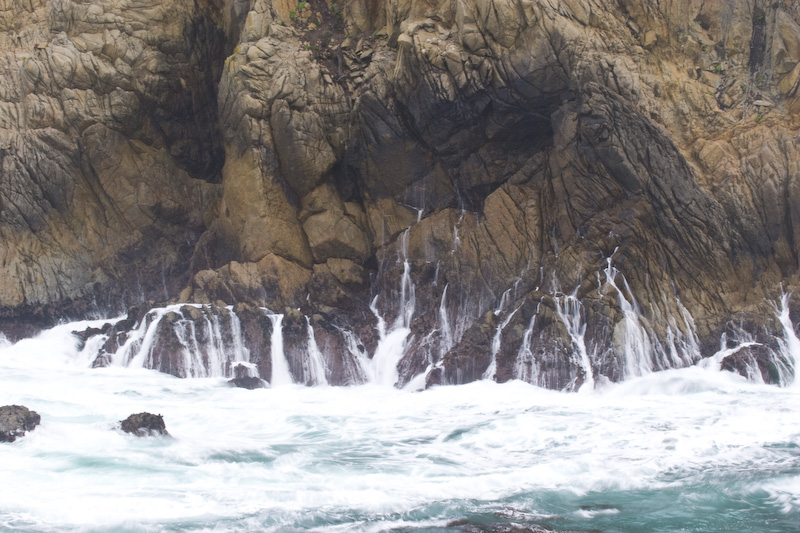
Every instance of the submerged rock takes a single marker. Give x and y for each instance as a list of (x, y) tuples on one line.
[(246, 377), (756, 363), (144, 425), (15, 421), (248, 382)]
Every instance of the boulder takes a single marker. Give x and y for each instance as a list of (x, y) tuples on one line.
[(15, 421), (144, 425), (248, 382), (246, 377)]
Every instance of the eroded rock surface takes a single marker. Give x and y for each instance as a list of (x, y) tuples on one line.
[(547, 191)]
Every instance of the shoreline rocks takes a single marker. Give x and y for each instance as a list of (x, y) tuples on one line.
[(144, 425), (15, 421)]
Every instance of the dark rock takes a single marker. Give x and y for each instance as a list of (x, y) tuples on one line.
[(433, 378), (15, 420), (144, 425), (247, 382), (246, 377), (481, 152), (754, 362), (257, 337)]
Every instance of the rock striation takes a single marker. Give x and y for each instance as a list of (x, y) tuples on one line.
[(551, 191)]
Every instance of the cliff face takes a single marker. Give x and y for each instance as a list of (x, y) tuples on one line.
[(532, 188)]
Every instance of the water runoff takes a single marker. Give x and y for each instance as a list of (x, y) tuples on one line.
[(683, 449)]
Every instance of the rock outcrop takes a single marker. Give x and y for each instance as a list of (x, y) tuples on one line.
[(144, 425), (15, 421), (547, 191), (244, 377)]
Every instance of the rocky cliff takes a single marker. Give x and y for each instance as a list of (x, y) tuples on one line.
[(555, 191)]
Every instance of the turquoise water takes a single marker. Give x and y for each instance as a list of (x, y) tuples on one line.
[(683, 450)]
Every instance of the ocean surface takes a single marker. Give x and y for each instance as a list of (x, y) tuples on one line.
[(682, 450)]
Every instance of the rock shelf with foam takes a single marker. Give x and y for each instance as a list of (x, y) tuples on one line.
[(192, 340)]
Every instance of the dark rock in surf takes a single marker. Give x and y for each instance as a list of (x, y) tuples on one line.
[(15, 421), (248, 382), (433, 378), (246, 377), (753, 362), (144, 425)]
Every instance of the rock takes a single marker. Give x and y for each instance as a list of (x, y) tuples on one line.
[(245, 376), (15, 421), (247, 382), (144, 425), (496, 156), (756, 362)]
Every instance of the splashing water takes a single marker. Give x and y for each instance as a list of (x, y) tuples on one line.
[(638, 348), (496, 340), (280, 366), (570, 311), (526, 368), (316, 362), (790, 345), (681, 450), (207, 348), (392, 343), (446, 342)]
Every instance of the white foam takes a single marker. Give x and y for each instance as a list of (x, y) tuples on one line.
[(267, 458)]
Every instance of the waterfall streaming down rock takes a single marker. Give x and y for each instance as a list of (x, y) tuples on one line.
[(446, 340), (315, 367), (194, 340), (280, 367), (186, 340), (526, 367), (789, 346), (392, 343), (496, 340), (630, 333), (570, 311)]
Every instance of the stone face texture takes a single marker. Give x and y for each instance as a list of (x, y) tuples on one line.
[(230, 152)]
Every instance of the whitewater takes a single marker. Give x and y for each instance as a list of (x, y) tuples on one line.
[(690, 449)]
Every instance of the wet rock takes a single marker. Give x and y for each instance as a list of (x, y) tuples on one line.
[(756, 363), (248, 382), (246, 377), (15, 421), (144, 425), (487, 157)]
